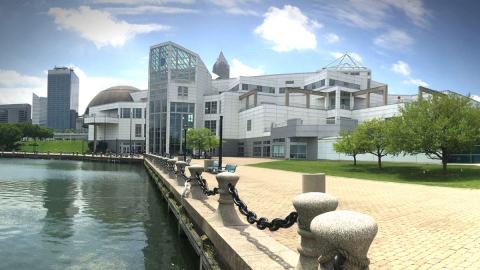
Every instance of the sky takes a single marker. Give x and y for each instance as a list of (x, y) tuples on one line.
[(406, 43)]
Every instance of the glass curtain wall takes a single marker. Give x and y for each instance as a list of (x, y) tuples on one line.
[(169, 63)]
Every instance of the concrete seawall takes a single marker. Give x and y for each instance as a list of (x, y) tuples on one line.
[(80, 157), (235, 247)]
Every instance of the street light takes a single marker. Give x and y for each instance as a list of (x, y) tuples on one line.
[(185, 128)]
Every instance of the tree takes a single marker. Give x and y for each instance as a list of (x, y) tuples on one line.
[(201, 139), (372, 137), (349, 144), (439, 126), (9, 136)]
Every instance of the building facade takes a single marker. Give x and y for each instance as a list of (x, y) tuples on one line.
[(289, 116), (62, 104), (15, 113), (39, 110), (116, 116)]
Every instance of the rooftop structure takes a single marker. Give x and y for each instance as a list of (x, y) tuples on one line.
[(221, 67)]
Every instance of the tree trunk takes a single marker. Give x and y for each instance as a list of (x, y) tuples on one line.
[(444, 163), (354, 160), (379, 161)]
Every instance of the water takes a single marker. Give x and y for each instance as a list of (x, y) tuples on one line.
[(85, 215)]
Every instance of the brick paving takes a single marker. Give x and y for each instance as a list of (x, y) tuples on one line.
[(420, 227)]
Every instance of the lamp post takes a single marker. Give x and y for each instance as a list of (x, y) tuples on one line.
[(185, 128), (220, 148)]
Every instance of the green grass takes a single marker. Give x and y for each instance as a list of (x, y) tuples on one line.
[(425, 174), (55, 146)]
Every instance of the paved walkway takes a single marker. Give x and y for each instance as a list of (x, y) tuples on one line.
[(420, 227)]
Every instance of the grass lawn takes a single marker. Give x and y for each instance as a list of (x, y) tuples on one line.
[(426, 174), (56, 146)]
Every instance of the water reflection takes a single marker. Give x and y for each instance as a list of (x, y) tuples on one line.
[(58, 198), (84, 215)]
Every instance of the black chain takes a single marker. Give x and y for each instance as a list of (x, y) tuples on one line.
[(262, 223), (204, 186)]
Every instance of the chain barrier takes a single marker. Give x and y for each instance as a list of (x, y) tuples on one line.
[(262, 223), (204, 186)]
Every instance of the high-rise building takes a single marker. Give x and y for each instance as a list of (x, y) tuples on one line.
[(15, 113), (39, 110), (62, 104), (221, 67)]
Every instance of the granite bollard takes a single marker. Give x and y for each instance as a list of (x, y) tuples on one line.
[(171, 167), (180, 171), (308, 206), (226, 213), (314, 182), (344, 233), (195, 171)]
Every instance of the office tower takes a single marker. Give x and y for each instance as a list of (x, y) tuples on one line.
[(39, 110), (62, 104), (221, 67), (15, 113)]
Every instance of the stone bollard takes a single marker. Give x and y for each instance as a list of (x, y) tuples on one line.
[(344, 233), (171, 167), (313, 182), (195, 170), (164, 165), (226, 213), (308, 206), (181, 171)]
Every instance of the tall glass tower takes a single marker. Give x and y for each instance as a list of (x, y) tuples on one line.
[(177, 81), (62, 103), (221, 67)]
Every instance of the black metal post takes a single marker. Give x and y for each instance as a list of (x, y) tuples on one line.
[(220, 148), (185, 144)]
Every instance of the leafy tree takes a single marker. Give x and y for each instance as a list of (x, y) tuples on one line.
[(372, 137), (34, 131), (201, 139), (349, 144), (9, 136), (439, 126)]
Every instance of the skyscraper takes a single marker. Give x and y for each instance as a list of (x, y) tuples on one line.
[(221, 67), (39, 110), (62, 104)]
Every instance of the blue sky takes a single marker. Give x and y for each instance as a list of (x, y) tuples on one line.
[(405, 43)]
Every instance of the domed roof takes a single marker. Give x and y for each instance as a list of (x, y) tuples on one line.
[(113, 94)]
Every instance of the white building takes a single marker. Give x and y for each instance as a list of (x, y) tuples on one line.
[(117, 116), (39, 110), (295, 115)]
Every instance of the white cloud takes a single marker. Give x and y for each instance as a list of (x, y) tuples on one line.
[(416, 82), (376, 13), (18, 88), (288, 29), (402, 68), (332, 38), (357, 57), (475, 97), (149, 9), (240, 69), (100, 27), (394, 40), (142, 2), (91, 85), (236, 7)]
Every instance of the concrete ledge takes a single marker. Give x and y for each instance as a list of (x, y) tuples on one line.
[(64, 156), (237, 247)]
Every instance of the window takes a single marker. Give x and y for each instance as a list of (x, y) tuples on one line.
[(332, 82), (249, 125), (315, 85), (137, 112), (211, 125), (125, 113), (211, 107), (279, 140), (244, 86), (183, 91), (257, 149), (289, 82), (138, 130), (298, 151), (281, 90), (278, 151)]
